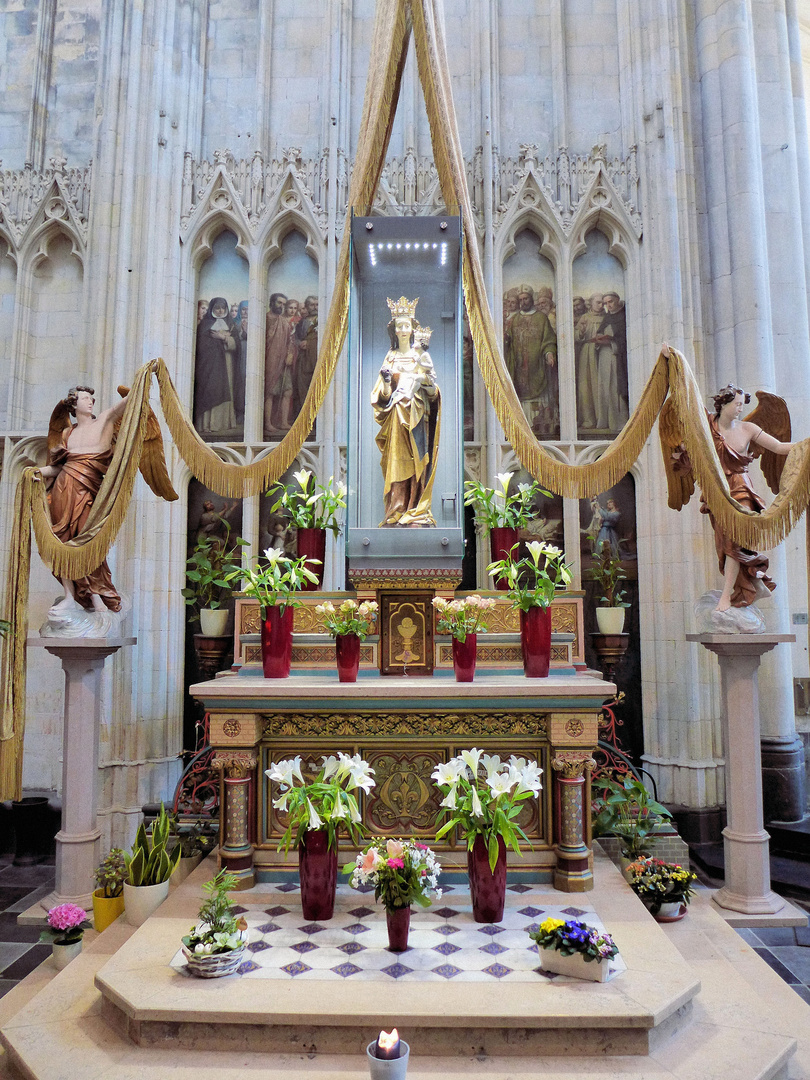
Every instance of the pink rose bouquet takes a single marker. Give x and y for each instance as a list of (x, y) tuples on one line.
[(66, 924), (403, 872)]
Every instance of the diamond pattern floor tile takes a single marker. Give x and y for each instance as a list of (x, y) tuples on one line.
[(353, 945)]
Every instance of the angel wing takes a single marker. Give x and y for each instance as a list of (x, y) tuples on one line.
[(153, 460), (58, 424), (680, 477), (771, 414)]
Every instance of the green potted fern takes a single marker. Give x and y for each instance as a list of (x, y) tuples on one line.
[(149, 867)]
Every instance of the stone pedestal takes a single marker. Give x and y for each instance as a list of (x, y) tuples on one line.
[(77, 854), (748, 874)]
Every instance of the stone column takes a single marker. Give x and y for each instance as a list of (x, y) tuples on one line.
[(236, 849), (748, 874), (573, 872), (77, 847)]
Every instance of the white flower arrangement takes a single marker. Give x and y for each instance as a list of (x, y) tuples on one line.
[(325, 802), (483, 794), (462, 617), (349, 618)]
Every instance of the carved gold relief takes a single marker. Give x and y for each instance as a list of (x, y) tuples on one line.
[(563, 618), (231, 728), (235, 764), (580, 727), (405, 799), (574, 728), (381, 725), (571, 764)]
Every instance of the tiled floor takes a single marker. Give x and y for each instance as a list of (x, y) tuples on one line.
[(444, 942), (787, 950), (20, 887)]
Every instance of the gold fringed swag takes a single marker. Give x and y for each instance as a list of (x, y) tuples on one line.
[(394, 23)]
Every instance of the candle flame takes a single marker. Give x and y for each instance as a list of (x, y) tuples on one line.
[(386, 1040)]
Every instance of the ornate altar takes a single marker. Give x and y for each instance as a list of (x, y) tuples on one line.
[(404, 727)]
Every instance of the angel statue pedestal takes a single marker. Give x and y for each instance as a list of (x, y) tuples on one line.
[(77, 840), (746, 899)]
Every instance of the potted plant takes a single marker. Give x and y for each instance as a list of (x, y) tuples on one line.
[(627, 810), (195, 842), (665, 888), (108, 898), (403, 872), (216, 945), (533, 583), (273, 585), (462, 619), (313, 509), (574, 948), (349, 625), (483, 797), (66, 926), (607, 573), (316, 810), (149, 868), (500, 513), (206, 589)]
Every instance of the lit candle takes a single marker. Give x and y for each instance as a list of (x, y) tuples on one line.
[(388, 1045)]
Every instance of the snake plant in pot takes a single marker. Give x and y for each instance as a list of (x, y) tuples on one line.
[(149, 867)]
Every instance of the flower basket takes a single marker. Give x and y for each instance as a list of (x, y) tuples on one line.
[(574, 965), (216, 966)]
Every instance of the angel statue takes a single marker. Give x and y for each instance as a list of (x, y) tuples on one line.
[(407, 407), (79, 455), (737, 442)]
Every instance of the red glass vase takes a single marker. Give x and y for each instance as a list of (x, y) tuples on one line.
[(317, 872), (535, 641), (501, 542), (487, 887), (312, 544), (464, 654), (399, 923), (347, 653), (277, 630)]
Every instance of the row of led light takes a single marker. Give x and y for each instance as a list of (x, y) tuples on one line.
[(424, 247)]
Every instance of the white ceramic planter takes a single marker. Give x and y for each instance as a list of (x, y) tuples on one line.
[(574, 965), (388, 1070), (63, 954), (610, 620), (140, 901), (213, 621)]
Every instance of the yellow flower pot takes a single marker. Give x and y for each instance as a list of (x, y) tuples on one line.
[(106, 909)]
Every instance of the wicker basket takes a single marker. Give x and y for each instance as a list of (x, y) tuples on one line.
[(214, 967)]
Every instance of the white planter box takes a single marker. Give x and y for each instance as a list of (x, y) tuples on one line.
[(574, 965)]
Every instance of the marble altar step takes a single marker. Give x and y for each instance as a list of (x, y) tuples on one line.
[(744, 1023)]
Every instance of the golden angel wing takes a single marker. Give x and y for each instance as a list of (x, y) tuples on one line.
[(680, 477), (153, 461), (59, 422), (772, 415)]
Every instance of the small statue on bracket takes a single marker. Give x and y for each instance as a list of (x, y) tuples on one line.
[(737, 441)]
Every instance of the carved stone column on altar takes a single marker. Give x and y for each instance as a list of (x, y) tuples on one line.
[(573, 737), (234, 739)]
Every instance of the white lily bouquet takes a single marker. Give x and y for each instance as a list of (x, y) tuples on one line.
[(327, 802), (534, 581), (484, 796), (314, 506)]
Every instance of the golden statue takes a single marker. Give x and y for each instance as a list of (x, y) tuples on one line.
[(407, 406)]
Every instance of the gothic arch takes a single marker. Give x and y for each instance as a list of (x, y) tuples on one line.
[(290, 212), (530, 208), (34, 249), (201, 243), (603, 209)]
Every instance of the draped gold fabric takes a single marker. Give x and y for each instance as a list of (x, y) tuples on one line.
[(395, 20)]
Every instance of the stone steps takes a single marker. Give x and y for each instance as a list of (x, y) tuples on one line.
[(742, 1024)]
